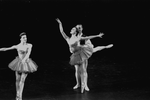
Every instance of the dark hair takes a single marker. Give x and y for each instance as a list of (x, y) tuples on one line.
[(79, 27), (23, 33)]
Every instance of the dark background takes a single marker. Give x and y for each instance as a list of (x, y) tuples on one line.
[(123, 68)]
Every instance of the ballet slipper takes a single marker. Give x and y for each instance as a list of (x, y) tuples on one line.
[(109, 46), (18, 98), (86, 88), (76, 86), (82, 88)]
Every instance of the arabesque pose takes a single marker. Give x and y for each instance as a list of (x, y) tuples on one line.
[(80, 53)]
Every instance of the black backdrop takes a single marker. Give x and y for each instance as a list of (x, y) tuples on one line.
[(124, 23)]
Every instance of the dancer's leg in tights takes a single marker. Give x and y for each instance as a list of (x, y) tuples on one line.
[(77, 75)]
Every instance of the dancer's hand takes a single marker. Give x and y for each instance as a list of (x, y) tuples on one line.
[(109, 46), (57, 19), (2, 49), (100, 35)]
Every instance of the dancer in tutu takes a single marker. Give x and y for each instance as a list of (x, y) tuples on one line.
[(22, 64), (81, 72), (80, 53)]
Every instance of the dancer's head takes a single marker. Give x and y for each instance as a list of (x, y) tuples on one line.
[(73, 31), (79, 30), (23, 37)]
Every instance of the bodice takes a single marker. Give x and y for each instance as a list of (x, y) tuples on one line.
[(74, 47), (22, 53)]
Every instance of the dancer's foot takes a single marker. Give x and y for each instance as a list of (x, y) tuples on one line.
[(82, 88), (86, 88), (18, 98), (76, 86), (109, 46)]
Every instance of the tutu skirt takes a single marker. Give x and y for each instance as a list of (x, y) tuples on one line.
[(28, 66), (80, 55)]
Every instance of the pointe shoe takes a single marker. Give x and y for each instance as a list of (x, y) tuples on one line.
[(109, 46), (18, 98), (75, 87), (82, 88), (87, 89)]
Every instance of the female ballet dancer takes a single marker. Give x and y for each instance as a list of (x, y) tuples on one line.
[(79, 53), (81, 72), (22, 64)]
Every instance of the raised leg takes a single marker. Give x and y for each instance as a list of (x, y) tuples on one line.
[(98, 48), (77, 75), (109, 46)]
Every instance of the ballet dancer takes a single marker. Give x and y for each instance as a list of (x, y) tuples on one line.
[(22, 64), (81, 71), (79, 53)]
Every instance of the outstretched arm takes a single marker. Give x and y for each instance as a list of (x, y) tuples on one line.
[(61, 29), (91, 37), (9, 48)]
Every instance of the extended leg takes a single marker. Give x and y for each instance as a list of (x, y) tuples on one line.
[(109, 46), (77, 75), (98, 48), (23, 77), (18, 78)]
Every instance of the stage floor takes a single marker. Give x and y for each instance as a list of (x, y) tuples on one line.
[(55, 91)]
